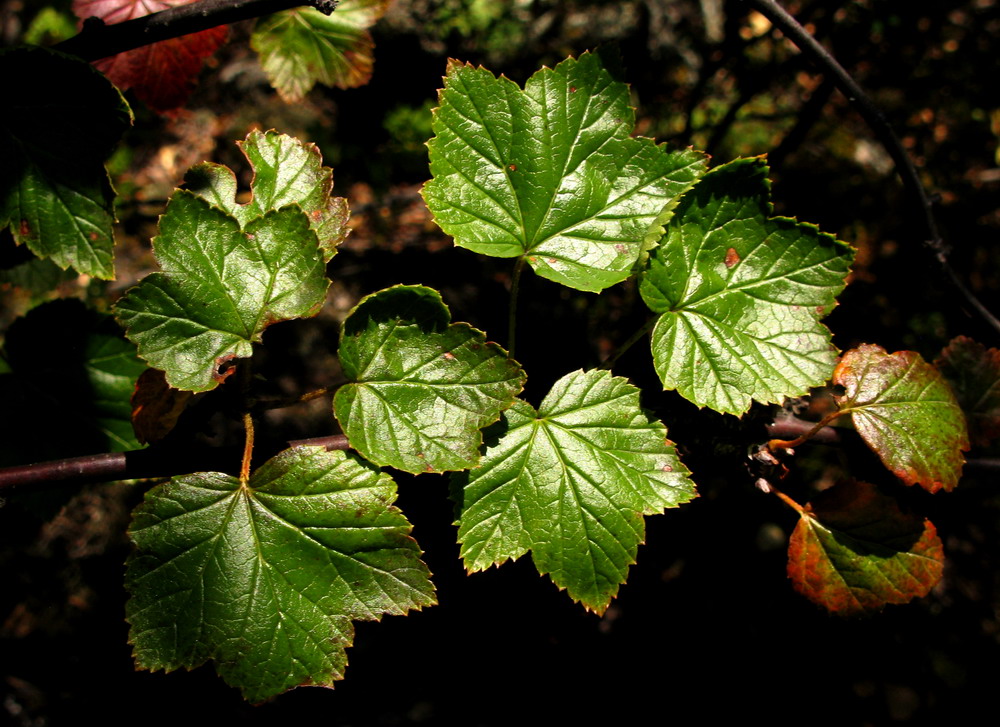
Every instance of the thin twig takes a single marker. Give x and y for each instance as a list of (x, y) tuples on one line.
[(805, 42), (98, 40)]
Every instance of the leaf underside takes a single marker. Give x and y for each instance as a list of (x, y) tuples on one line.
[(265, 579), (906, 412), (421, 388), (854, 551), (740, 295), (571, 483), (550, 173)]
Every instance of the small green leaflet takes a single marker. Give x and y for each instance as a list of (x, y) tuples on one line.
[(231, 270), (906, 412), (740, 295), (854, 551), (421, 387), (264, 578), (286, 172), (973, 371), (63, 120), (301, 47), (550, 173), (571, 483)]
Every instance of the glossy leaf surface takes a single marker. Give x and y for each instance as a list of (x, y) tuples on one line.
[(421, 387), (906, 413), (265, 578), (550, 173), (854, 551), (220, 287), (286, 172), (161, 74), (301, 47), (63, 120), (571, 483), (973, 371), (740, 295)]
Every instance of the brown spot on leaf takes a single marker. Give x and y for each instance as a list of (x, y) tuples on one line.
[(449, 356), (550, 261), (732, 257), (667, 468), (224, 367), (819, 310), (24, 229), (512, 167), (92, 236), (620, 248), (572, 89)]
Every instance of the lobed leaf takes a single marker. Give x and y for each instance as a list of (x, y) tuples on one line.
[(265, 577), (550, 173), (301, 47), (973, 371), (421, 387), (740, 294), (854, 551), (907, 414), (571, 483), (221, 286), (286, 172), (63, 121), (160, 74)]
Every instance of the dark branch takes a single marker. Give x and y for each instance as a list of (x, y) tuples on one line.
[(138, 464), (98, 40), (788, 25)]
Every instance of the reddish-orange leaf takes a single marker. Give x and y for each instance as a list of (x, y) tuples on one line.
[(162, 74), (974, 374), (854, 551), (906, 412), (156, 406)]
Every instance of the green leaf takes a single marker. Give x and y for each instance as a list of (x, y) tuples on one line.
[(421, 387), (220, 288), (740, 295), (571, 483), (301, 47), (62, 122), (286, 172), (71, 376), (550, 173), (906, 412), (973, 371), (854, 551), (264, 578)]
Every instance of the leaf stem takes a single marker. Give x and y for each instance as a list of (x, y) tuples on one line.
[(247, 449), (789, 501), (515, 285), (792, 443), (633, 339)]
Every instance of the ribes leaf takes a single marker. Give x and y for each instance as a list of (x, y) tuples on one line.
[(286, 171), (854, 551), (220, 287), (571, 483), (550, 173), (264, 578), (301, 47), (63, 120), (907, 414), (161, 74), (973, 371), (740, 295), (421, 387)]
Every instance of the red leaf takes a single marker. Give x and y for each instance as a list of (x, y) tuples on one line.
[(162, 74), (974, 374)]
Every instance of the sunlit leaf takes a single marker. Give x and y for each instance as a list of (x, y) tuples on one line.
[(906, 413), (301, 47), (264, 578), (854, 551), (62, 120), (161, 74), (974, 374), (421, 388), (550, 173), (571, 483), (740, 295)]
